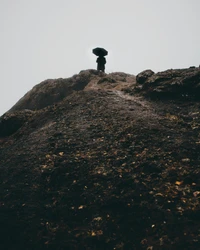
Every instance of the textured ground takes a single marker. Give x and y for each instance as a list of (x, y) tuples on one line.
[(101, 169)]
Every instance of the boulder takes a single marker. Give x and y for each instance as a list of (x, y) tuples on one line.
[(11, 122), (144, 75)]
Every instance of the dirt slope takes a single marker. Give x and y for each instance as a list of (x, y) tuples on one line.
[(101, 167)]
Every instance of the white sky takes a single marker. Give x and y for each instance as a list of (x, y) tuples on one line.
[(42, 39)]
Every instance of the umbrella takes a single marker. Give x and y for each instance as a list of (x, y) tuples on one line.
[(100, 52)]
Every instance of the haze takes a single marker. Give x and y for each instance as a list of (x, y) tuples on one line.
[(42, 39)]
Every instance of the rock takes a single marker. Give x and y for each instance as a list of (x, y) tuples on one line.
[(173, 83), (11, 122), (44, 94), (143, 76), (186, 160), (101, 166), (106, 80), (53, 91)]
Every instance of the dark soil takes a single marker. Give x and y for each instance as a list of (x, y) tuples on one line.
[(103, 170)]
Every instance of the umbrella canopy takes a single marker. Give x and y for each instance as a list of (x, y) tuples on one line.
[(100, 51)]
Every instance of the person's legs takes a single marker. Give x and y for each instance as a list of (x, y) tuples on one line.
[(101, 67)]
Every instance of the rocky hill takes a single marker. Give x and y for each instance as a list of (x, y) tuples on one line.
[(103, 161)]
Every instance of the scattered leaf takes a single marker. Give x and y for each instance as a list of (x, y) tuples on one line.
[(196, 193), (98, 219), (93, 233), (178, 183)]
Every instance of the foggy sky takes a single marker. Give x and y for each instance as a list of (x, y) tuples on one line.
[(42, 39)]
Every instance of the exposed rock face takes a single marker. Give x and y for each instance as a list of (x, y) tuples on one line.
[(89, 166), (50, 92), (172, 84)]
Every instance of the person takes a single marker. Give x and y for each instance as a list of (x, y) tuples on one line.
[(101, 61)]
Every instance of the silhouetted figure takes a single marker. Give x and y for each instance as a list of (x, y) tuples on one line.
[(101, 61)]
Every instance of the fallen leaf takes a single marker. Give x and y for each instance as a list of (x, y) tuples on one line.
[(98, 218), (196, 193), (185, 160), (159, 194), (44, 166), (178, 183), (93, 233)]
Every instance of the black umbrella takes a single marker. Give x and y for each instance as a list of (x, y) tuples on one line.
[(100, 52)]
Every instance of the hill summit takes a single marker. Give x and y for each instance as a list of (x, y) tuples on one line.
[(103, 161)]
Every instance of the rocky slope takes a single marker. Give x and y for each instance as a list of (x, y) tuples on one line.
[(103, 161)]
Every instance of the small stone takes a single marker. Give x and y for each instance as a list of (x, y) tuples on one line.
[(186, 160), (196, 193)]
